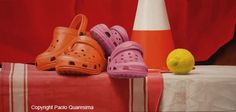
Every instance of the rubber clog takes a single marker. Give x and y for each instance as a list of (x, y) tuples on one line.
[(84, 57), (126, 61), (62, 38), (109, 38)]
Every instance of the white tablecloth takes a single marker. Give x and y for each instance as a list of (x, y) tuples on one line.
[(207, 88)]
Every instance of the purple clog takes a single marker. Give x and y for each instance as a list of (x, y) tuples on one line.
[(120, 34), (126, 61), (109, 38)]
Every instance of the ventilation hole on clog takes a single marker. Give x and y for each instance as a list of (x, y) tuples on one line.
[(122, 58), (84, 65), (130, 57), (136, 55), (76, 53), (108, 34), (81, 33), (99, 65), (84, 55), (115, 43), (95, 66), (119, 39), (53, 58), (110, 68), (122, 55), (129, 53), (71, 63), (125, 68), (114, 68), (93, 56), (115, 33), (82, 50), (57, 40)]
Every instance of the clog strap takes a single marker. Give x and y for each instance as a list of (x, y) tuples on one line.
[(79, 22), (128, 45)]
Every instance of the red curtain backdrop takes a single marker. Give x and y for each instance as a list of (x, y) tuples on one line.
[(201, 26), (26, 26)]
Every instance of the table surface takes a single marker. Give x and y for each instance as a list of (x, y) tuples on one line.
[(207, 88)]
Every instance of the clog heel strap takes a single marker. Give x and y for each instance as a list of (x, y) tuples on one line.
[(79, 22)]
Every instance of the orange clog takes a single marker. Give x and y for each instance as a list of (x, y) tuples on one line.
[(62, 38), (85, 56)]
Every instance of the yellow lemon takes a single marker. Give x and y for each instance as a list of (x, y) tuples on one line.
[(180, 61)]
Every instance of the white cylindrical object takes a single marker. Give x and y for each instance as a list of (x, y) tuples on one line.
[(151, 15)]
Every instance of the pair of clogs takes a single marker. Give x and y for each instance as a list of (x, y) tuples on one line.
[(73, 51), (125, 58)]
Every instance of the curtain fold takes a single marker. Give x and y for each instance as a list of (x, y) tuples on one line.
[(26, 26), (201, 26)]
